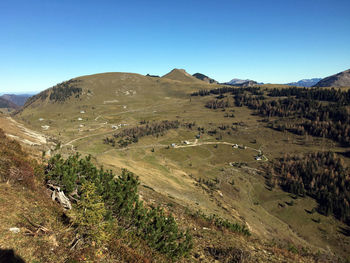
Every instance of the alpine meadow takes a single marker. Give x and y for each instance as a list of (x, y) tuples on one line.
[(243, 156)]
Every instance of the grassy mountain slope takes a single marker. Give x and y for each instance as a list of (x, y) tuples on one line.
[(45, 231), (195, 175), (46, 234)]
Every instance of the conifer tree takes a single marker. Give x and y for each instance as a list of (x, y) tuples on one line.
[(89, 216)]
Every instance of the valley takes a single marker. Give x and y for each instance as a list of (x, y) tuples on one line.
[(214, 161)]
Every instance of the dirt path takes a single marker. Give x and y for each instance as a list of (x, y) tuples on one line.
[(101, 116), (84, 137), (195, 143)]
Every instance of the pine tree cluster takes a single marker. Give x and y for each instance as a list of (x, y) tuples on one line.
[(63, 91), (232, 90), (103, 198), (131, 135), (317, 112), (321, 175)]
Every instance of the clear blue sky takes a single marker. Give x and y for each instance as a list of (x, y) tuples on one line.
[(45, 42)]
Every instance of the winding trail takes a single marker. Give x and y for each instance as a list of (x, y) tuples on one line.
[(84, 137), (193, 144)]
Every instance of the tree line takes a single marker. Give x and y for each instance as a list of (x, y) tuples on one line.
[(232, 90), (321, 175), (310, 116), (62, 91), (306, 106), (132, 135), (331, 95)]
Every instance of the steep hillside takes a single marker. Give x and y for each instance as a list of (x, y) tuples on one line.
[(180, 75), (34, 228), (204, 78), (341, 79), (304, 82)]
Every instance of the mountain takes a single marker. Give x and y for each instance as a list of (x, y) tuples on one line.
[(113, 89), (304, 82), (237, 81), (242, 82), (204, 78), (180, 75), (341, 79), (19, 99), (190, 156), (4, 103)]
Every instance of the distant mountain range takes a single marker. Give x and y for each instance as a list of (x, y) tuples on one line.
[(242, 82), (4, 103), (341, 79), (19, 99), (204, 78), (238, 81), (304, 82)]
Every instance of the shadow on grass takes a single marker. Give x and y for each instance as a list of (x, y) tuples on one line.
[(9, 256)]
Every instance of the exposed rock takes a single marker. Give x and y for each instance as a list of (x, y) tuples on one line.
[(15, 230)]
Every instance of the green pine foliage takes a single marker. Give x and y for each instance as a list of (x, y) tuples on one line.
[(102, 196), (161, 232), (221, 223), (315, 111), (89, 216), (63, 91), (131, 135)]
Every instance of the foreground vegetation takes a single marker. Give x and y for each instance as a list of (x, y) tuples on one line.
[(103, 198), (199, 173)]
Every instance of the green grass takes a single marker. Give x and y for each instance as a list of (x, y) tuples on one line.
[(169, 171)]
